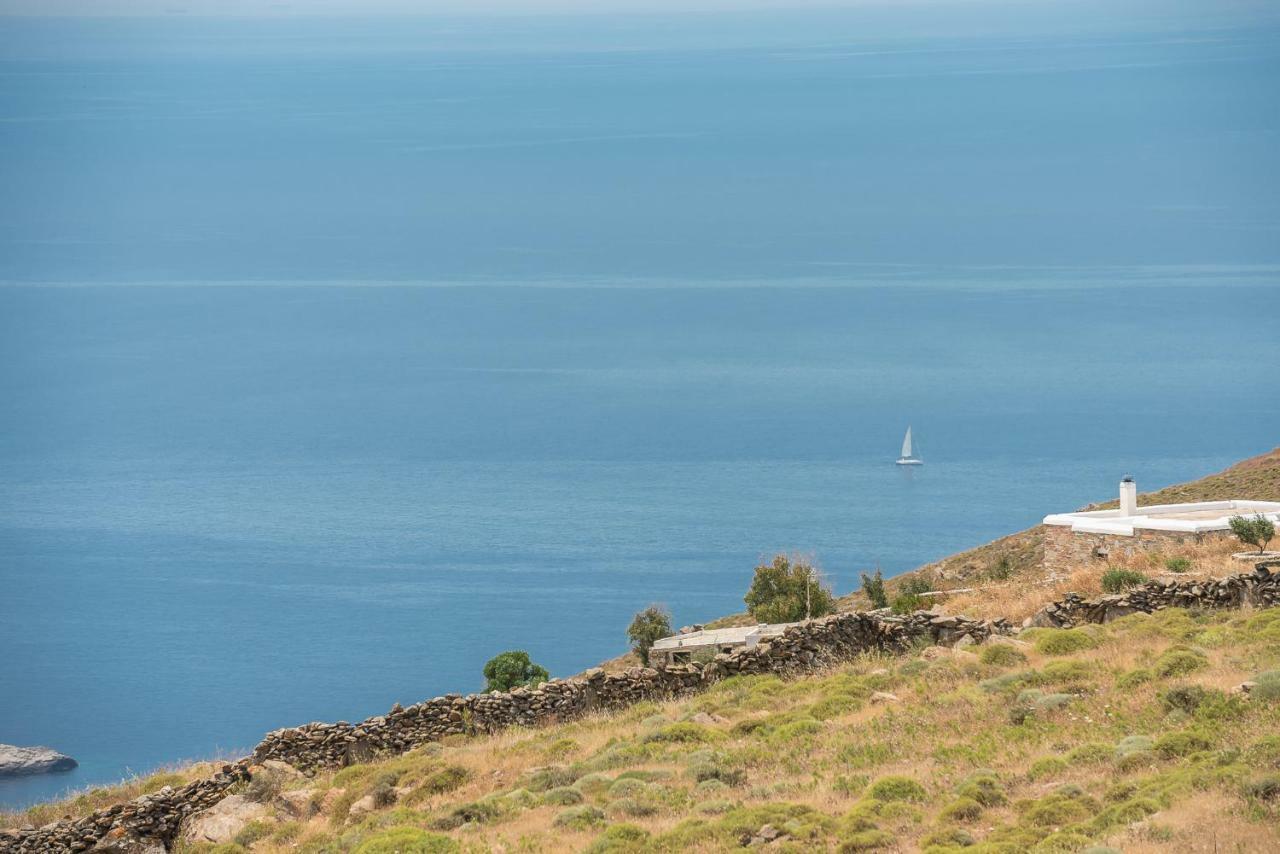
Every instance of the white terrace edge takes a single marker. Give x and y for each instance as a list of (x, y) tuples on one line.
[(1162, 517)]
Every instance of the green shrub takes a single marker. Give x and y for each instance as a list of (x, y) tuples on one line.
[(1263, 788), (563, 796), (1001, 655), (1049, 766), (961, 809), (1063, 641), (545, 779), (1258, 531), (1090, 754), (619, 838), (983, 787), (908, 603), (873, 589), (1267, 687), (252, 832), (407, 840), (632, 808), (714, 807), (788, 590), (1176, 744), (579, 817), (835, 706), (866, 840), (594, 783), (704, 769), (1177, 564), (685, 732), (1184, 698), (510, 669), (1179, 662), (897, 789), (1134, 678), (648, 626), (1072, 672), (1117, 580), (627, 788)]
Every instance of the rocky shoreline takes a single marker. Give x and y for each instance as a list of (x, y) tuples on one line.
[(23, 761)]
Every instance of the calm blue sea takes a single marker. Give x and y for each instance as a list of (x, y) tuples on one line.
[(335, 359)]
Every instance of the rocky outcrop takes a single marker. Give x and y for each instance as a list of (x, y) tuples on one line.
[(222, 821), (20, 761), (1259, 588)]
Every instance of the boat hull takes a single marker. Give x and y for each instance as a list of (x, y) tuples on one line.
[(908, 462)]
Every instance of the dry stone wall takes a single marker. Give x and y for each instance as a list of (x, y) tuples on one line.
[(1260, 588), (150, 824), (144, 824)]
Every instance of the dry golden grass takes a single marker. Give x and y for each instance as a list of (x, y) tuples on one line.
[(810, 757)]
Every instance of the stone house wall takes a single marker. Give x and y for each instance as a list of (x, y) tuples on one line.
[(1065, 550)]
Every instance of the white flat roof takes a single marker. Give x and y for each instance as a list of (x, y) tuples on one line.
[(1194, 517), (712, 637)]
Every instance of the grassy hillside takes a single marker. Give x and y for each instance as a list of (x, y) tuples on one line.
[(1131, 736)]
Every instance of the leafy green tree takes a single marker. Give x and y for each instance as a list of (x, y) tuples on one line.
[(788, 590), (512, 668), (1258, 531), (873, 589), (649, 625)]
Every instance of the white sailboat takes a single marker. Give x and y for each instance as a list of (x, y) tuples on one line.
[(908, 458)]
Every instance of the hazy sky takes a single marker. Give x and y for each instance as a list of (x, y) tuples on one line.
[(367, 7)]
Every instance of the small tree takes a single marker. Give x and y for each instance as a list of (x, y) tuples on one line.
[(651, 624), (788, 590), (873, 589), (510, 669), (1258, 531)]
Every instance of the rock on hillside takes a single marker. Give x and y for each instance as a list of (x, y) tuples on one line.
[(19, 761)]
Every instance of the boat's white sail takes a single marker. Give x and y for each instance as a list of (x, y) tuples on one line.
[(908, 458)]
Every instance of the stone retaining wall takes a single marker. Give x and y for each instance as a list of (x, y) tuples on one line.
[(1260, 588), (150, 823)]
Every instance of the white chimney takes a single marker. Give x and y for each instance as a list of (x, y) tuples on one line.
[(1128, 497)]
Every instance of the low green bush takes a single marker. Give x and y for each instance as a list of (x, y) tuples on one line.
[(1117, 579), (1134, 678), (579, 818), (1001, 655), (866, 840), (685, 732), (563, 796), (1179, 662), (619, 838), (983, 787), (897, 789), (1064, 641), (961, 809), (1177, 744), (407, 840), (1047, 767), (1177, 564)]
